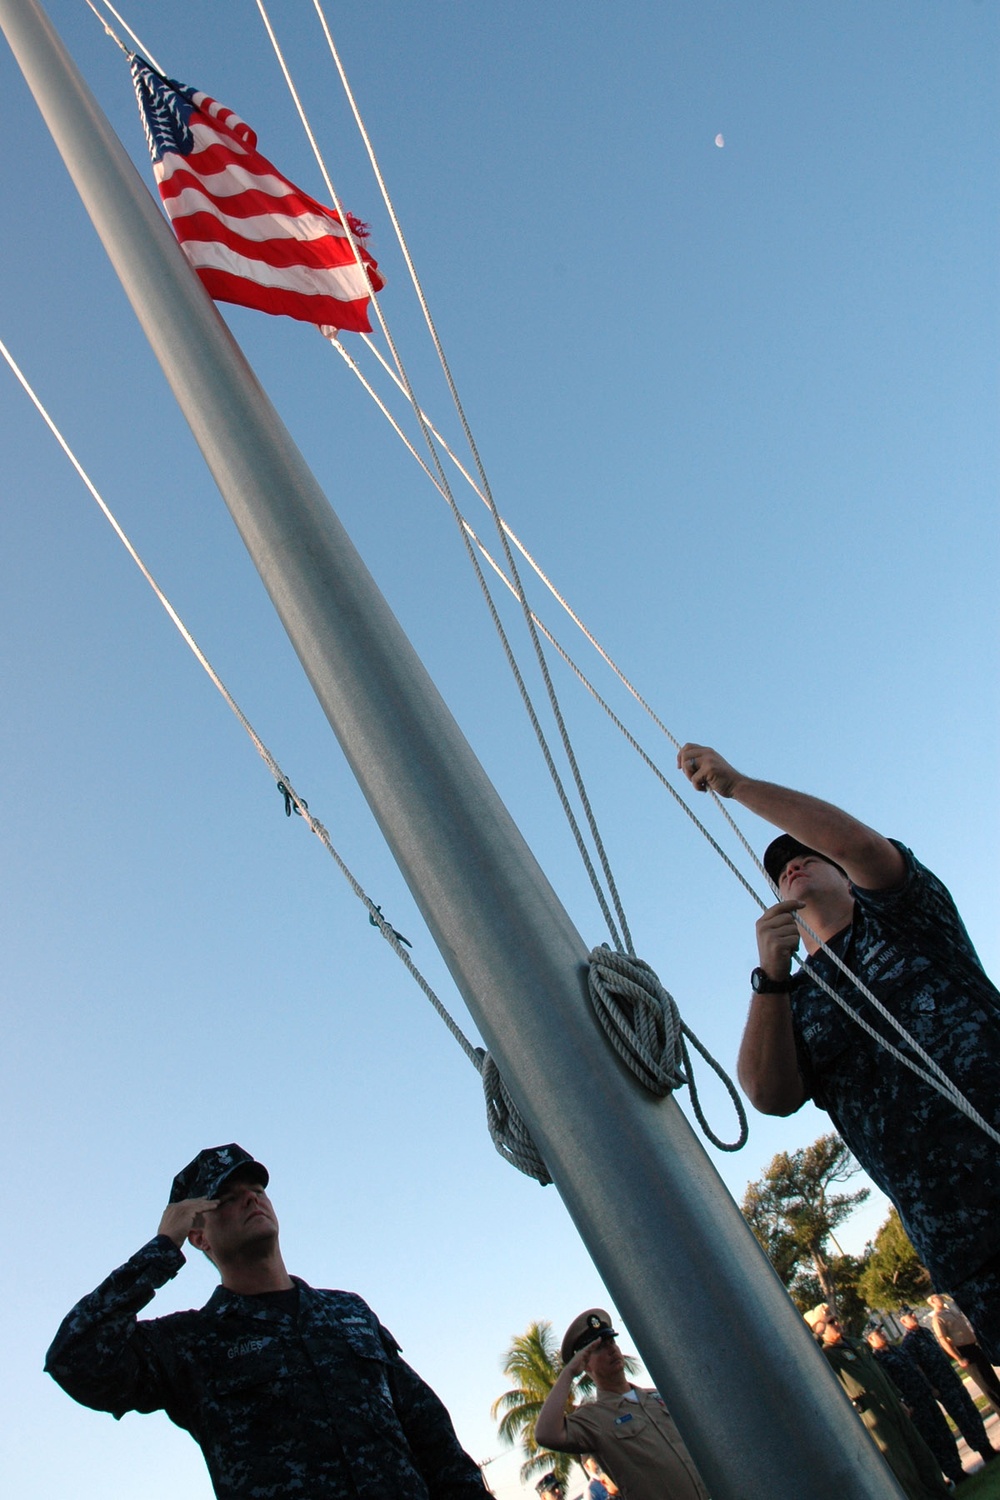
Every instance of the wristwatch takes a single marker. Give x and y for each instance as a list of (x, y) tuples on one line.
[(762, 984)]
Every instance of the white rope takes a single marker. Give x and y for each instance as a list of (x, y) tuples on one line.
[(934, 1075), (507, 1130), (936, 1078), (643, 1024), (125, 26), (630, 687), (532, 563), (685, 806), (625, 938)]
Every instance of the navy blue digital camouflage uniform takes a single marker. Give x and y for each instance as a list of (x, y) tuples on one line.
[(286, 1402), (917, 1391), (923, 1348), (909, 946)]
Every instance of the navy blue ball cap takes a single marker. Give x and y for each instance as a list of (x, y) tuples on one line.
[(550, 1481), (783, 848), (211, 1169)]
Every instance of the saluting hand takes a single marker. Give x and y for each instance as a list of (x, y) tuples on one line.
[(706, 770), (576, 1364), (778, 938), (180, 1218)]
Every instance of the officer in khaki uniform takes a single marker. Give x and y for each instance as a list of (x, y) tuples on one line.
[(627, 1427)]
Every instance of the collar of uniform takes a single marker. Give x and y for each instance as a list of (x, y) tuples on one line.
[(223, 1300), (614, 1398)]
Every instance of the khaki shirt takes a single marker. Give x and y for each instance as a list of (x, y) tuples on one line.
[(951, 1324), (637, 1442)]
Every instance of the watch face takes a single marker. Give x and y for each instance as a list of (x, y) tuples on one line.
[(762, 984)]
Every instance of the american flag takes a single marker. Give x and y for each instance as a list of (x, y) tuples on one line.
[(251, 235)]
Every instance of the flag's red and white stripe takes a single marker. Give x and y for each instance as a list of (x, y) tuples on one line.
[(253, 237)]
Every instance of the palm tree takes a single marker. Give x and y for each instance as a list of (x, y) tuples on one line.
[(532, 1363)]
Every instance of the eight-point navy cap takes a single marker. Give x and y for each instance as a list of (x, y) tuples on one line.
[(211, 1168)]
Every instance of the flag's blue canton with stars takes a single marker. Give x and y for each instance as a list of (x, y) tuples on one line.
[(166, 108)]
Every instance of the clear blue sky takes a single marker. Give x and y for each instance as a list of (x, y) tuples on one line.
[(741, 402)]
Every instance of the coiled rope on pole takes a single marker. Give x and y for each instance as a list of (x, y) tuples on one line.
[(641, 1021), (509, 1133)]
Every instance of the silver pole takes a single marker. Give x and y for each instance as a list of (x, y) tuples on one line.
[(760, 1410)]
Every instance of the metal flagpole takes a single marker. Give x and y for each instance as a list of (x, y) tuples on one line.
[(751, 1393)]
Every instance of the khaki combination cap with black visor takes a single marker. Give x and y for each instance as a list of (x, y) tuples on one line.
[(593, 1324)]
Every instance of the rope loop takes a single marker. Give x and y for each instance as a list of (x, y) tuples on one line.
[(642, 1022), (508, 1131)]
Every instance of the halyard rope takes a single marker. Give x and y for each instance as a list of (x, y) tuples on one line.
[(125, 26), (617, 925), (513, 581), (944, 1084), (935, 1077), (585, 681), (509, 1133)]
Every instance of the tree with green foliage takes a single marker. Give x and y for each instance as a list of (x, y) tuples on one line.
[(846, 1272), (532, 1363), (893, 1274), (793, 1213)]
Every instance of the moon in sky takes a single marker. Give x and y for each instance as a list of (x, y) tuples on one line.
[(720, 139)]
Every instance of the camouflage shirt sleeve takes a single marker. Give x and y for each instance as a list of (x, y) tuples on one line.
[(100, 1355), (447, 1470)]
